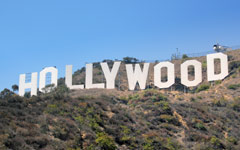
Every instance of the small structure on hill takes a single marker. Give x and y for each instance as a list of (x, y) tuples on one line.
[(220, 48)]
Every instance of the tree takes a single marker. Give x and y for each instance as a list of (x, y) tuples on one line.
[(6, 93), (15, 87), (184, 56), (130, 60)]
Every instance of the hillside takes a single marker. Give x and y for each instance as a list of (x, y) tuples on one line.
[(202, 118)]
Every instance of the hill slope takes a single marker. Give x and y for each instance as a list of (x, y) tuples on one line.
[(207, 117)]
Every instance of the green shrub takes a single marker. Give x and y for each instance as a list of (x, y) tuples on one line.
[(232, 140), (134, 97), (200, 126), (165, 105), (172, 144), (203, 87), (218, 82), (235, 105), (105, 142), (123, 99), (148, 145), (220, 103), (79, 119), (234, 76), (167, 118), (215, 141), (126, 130), (233, 86), (234, 65), (160, 97), (126, 138), (60, 133), (52, 109), (204, 64)]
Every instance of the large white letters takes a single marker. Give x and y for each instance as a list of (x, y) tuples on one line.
[(54, 77), (89, 78), (137, 76), (68, 79), (32, 85), (210, 66), (110, 75), (170, 75), (197, 73)]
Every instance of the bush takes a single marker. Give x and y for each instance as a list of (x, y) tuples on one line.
[(52, 109), (161, 143), (148, 145), (233, 86), (215, 142), (234, 76), (236, 104), (172, 144), (204, 65), (199, 97), (218, 82), (200, 126), (169, 119), (105, 142), (203, 87), (232, 140), (60, 133), (126, 138), (165, 105), (158, 98), (184, 56), (220, 103), (123, 99), (234, 65)]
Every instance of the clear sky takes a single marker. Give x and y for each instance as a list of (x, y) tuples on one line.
[(36, 34)]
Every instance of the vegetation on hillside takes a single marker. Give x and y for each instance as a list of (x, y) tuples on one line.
[(143, 120), (206, 117)]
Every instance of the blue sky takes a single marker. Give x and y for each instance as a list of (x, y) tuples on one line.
[(37, 34)]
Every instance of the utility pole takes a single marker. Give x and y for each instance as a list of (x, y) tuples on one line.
[(178, 54)]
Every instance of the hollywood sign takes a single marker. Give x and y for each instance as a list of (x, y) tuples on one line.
[(134, 74)]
